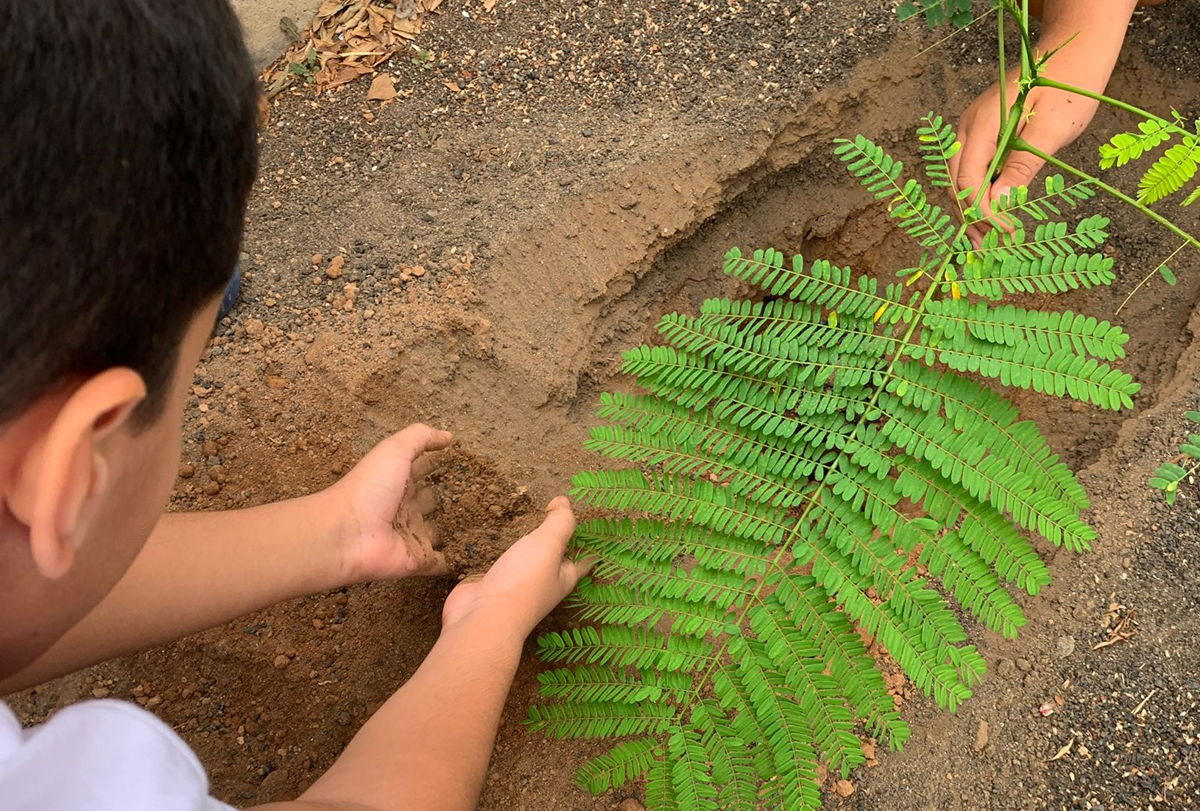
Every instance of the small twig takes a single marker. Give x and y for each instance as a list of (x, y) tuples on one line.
[(1149, 696), (1063, 752), (1150, 276), (1113, 640)]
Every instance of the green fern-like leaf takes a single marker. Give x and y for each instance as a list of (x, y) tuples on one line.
[(937, 12), (938, 146), (1129, 146), (818, 473), (1170, 474), (908, 204), (1171, 171), (626, 761)]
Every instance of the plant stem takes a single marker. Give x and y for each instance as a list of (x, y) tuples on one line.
[(1003, 73), (1024, 146), (1149, 276), (786, 546), (1100, 97)]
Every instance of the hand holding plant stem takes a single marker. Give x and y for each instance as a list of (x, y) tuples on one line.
[(1085, 42)]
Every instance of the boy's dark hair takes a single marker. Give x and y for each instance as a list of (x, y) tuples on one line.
[(127, 149)]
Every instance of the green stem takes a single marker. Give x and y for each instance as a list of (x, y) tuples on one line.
[(1100, 97), (1010, 116), (1021, 18), (785, 548), (1003, 73), (1024, 146)]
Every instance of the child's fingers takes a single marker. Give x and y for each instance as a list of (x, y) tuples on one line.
[(1019, 170), (425, 559), (422, 466), (574, 570), (424, 501), (559, 524), (436, 565), (969, 166), (416, 439)]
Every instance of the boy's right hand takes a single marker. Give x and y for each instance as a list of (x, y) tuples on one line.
[(527, 581)]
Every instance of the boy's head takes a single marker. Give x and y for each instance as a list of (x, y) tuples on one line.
[(127, 149)]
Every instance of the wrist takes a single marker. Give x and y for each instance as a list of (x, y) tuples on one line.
[(492, 625), (327, 525), (1090, 42)]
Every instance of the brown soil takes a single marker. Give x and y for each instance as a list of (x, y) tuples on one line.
[(500, 244)]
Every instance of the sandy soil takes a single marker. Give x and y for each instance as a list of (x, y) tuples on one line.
[(260, 19), (476, 258)]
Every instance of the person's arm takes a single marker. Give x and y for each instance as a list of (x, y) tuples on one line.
[(427, 748), (1093, 32), (199, 570)]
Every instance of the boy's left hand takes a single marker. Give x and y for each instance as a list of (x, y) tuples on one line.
[(382, 530)]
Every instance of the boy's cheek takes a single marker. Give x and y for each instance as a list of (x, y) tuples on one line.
[(143, 470)]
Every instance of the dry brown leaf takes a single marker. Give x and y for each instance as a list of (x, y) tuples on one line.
[(346, 74), (1063, 752), (376, 24), (382, 88), (350, 38), (329, 8), (453, 86), (488, 5), (408, 28)]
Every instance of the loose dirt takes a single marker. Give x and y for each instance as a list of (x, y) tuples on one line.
[(476, 257)]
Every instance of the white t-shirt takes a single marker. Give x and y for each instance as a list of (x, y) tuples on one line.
[(99, 756)]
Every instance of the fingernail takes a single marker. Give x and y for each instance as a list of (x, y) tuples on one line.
[(558, 503), (1003, 191)]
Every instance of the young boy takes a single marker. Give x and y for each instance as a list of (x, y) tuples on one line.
[(127, 149)]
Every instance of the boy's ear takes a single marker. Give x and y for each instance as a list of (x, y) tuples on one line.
[(66, 468)]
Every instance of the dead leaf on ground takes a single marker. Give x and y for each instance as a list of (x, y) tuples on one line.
[(347, 39), (489, 5), (382, 88), (1063, 752)]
